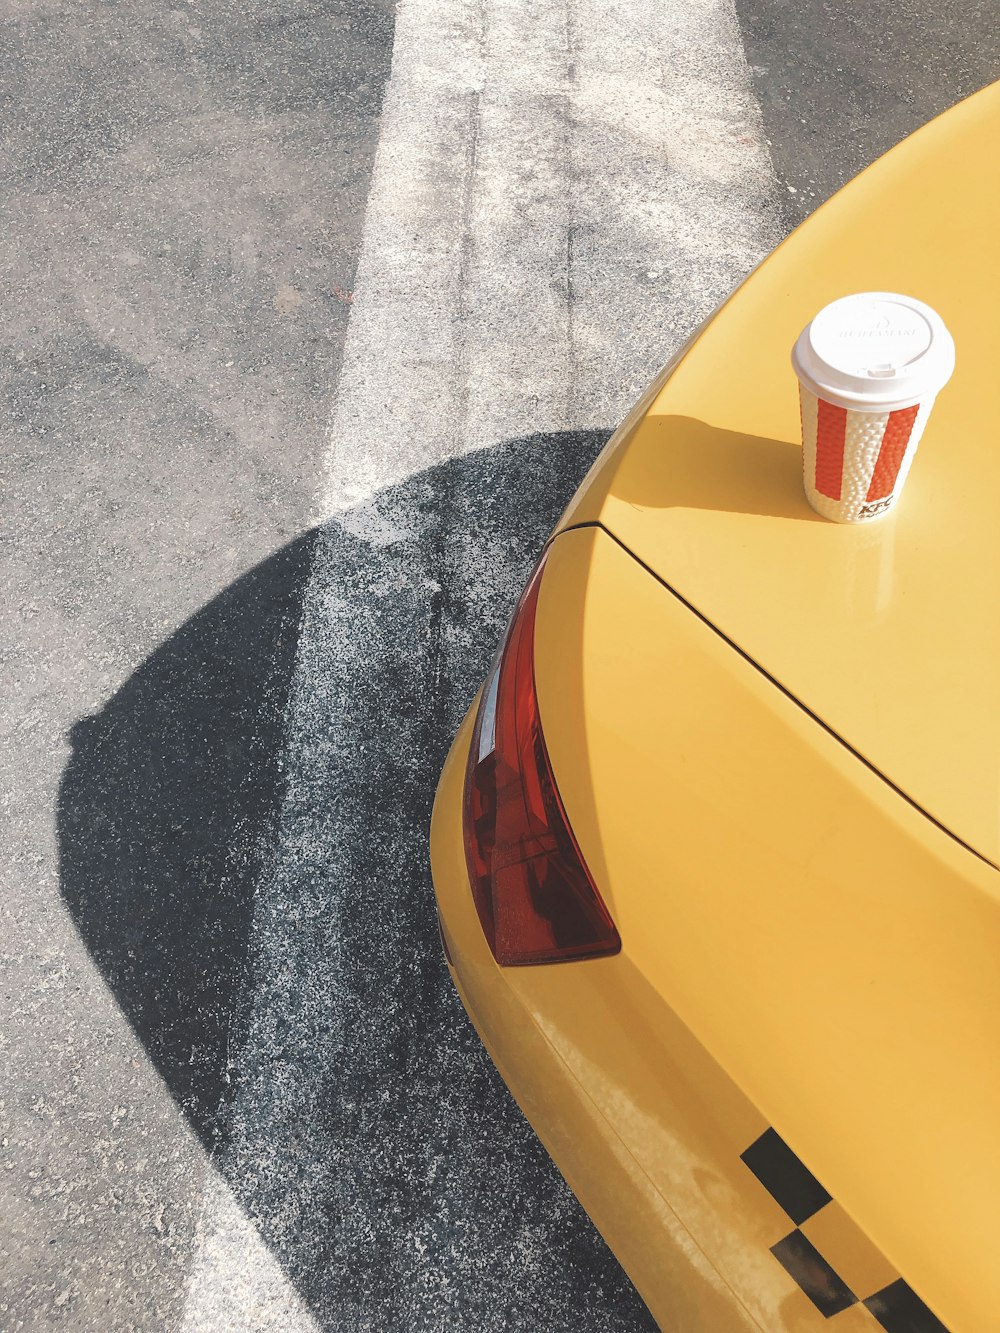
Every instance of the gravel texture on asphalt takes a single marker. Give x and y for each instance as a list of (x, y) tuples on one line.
[(236, 1089), (182, 191), (534, 247)]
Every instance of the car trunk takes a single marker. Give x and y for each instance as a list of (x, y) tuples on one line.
[(888, 632), (831, 950)]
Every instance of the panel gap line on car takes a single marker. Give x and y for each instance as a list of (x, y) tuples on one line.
[(783, 689)]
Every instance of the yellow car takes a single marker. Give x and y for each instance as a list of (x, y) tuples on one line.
[(716, 848)]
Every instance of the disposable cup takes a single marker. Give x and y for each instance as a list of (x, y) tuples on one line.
[(869, 367)]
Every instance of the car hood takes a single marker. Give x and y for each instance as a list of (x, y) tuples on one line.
[(889, 633)]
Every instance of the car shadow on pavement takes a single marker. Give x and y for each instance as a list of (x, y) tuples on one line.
[(243, 835), (166, 809)]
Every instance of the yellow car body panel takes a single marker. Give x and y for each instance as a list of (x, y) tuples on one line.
[(801, 948), (827, 944), (889, 631), (775, 740)]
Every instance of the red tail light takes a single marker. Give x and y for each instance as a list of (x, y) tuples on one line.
[(535, 897)]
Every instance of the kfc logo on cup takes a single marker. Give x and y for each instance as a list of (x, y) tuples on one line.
[(869, 368)]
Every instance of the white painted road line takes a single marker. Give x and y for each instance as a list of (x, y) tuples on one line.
[(562, 192), (220, 1298)]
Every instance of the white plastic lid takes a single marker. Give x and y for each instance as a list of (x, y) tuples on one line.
[(875, 350)]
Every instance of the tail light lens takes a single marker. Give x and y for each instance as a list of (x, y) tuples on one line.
[(534, 894)]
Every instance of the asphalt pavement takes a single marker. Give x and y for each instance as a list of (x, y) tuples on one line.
[(303, 351)]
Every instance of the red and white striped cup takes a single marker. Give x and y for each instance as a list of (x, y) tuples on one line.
[(869, 368)]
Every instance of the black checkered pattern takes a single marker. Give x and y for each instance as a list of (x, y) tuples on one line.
[(896, 1308)]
